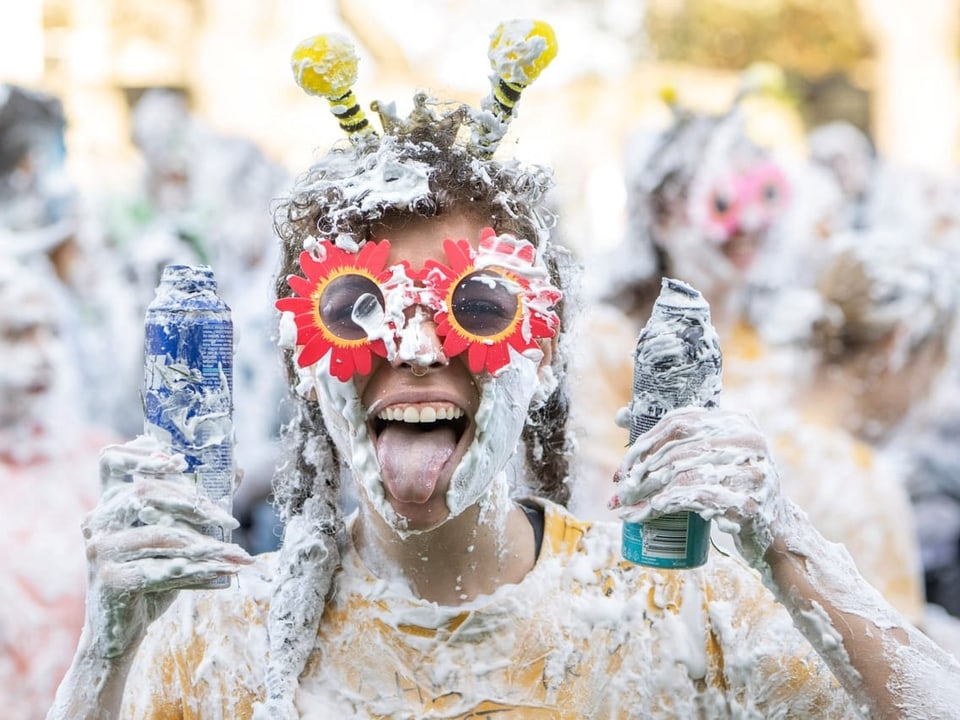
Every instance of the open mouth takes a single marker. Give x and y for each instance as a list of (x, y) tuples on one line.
[(423, 417), (418, 446)]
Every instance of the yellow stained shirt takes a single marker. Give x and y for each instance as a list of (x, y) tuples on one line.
[(584, 635)]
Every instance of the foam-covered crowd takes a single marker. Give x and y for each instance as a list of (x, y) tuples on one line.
[(433, 398)]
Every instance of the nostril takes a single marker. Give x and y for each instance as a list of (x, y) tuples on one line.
[(422, 366)]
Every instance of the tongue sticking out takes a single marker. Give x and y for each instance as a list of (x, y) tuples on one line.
[(411, 459)]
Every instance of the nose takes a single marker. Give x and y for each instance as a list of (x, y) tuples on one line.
[(421, 349)]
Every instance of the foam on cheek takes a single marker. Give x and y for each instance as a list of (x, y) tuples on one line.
[(346, 421), (504, 401)]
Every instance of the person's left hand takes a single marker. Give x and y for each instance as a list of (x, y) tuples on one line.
[(713, 462)]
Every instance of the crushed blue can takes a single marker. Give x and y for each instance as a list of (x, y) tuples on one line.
[(188, 381)]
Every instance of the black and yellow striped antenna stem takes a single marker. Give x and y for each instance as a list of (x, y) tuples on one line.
[(326, 65)]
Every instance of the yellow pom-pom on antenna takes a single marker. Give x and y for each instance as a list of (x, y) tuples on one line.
[(326, 65), (521, 49)]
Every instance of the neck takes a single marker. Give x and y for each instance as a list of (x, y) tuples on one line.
[(467, 556)]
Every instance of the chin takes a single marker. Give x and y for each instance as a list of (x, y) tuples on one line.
[(419, 517)]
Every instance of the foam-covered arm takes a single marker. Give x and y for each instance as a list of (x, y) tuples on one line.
[(889, 667), (144, 542)]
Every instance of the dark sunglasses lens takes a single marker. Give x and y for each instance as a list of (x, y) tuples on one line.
[(485, 303), (346, 299)]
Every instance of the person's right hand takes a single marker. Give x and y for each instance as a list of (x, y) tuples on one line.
[(711, 461), (144, 542)]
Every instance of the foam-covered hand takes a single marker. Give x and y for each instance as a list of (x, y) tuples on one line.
[(143, 542), (713, 462)]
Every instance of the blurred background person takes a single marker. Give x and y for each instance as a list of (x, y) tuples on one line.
[(886, 353), (888, 306), (845, 152), (703, 201), (38, 204), (48, 482)]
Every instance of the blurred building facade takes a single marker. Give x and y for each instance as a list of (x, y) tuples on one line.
[(230, 58)]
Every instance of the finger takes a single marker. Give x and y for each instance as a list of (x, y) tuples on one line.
[(702, 475), (685, 465), (137, 543), (197, 509), (155, 502), (668, 502), (162, 574), (731, 507), (143, 455), (678, 423), (690, 425)]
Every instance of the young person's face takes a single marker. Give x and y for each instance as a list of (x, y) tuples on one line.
[(30, 343), (427, 431), (417, 458)]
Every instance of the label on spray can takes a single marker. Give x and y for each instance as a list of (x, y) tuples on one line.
[(188, 380), (677, 363)]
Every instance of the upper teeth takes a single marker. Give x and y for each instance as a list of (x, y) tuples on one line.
[(421, 413)]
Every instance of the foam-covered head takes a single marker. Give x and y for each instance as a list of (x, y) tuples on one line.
[(880, 283), (416, 171), (37, 196)]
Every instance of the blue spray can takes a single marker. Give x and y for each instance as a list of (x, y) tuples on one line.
[(677, 363), (188, 381)]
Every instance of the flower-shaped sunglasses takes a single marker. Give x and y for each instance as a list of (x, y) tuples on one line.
[(483, 302)]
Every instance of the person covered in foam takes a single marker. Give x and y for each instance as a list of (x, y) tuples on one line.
[(884, 345), (423, 314), (48, 482)]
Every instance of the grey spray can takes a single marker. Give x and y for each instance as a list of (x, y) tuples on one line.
[(677, 363)]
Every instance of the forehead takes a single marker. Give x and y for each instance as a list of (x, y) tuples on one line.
[(22, 307), (418, 239)]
